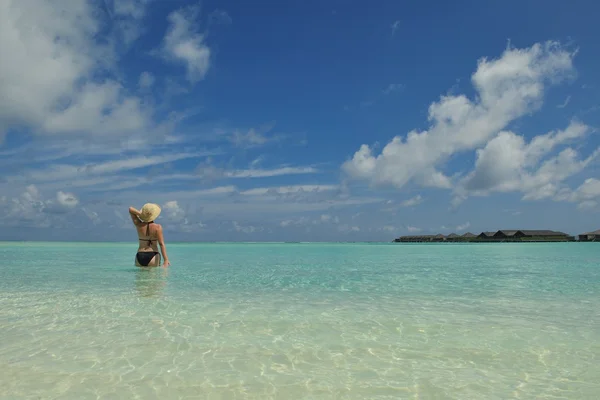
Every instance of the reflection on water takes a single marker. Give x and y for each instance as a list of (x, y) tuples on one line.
[(150, 282)]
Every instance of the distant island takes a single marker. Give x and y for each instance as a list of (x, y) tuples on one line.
[(521, 235)]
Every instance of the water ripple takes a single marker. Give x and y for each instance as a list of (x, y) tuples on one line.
[(301, 321)]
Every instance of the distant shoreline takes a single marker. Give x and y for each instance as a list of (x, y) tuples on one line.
[(503, 236)]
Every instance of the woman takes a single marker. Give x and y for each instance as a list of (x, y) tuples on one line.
[(150, 235)]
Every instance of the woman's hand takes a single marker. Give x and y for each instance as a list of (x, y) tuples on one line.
[(166, 263)]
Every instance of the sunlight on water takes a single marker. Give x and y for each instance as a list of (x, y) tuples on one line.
[(283, 321)]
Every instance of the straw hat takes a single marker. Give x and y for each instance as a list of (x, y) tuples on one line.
[(149, 212)]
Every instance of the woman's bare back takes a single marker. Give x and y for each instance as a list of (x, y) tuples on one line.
[(148, 236)]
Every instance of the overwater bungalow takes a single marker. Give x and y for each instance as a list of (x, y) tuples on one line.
[(415, 238), (503, 235), (532, 235), (439, 238), (486, 235), (590, 236)]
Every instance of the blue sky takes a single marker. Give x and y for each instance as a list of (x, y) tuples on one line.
[(318, 120)]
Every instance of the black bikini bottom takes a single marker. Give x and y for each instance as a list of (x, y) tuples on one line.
[(144, 257)]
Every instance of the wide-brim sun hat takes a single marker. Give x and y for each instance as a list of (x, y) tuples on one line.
[(149, 212)]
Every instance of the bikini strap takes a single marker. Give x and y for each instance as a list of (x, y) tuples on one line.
[(148, 232), (149, 240)]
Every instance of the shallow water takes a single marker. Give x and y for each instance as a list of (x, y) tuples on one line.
[(301, 321)]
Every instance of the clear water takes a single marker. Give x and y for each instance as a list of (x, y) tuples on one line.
[(301, 321)]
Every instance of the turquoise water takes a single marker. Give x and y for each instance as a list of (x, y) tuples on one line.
[(301, 321)]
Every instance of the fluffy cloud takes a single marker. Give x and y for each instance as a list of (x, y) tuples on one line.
[(68, 200), (55, 77), (507, 88), (178, 219), (507, 163), (30, 208), (587, 195), (128, 15), (174, 212), (184, 45)]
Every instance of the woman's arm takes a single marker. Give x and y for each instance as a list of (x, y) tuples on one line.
[(134, 214), (163, 248)]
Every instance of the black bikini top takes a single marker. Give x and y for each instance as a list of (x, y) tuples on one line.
[(148, 233)]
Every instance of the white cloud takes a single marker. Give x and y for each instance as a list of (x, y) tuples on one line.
[(92, 215), (326, 218), (30, 208), (291, 189), (507, 88), (263, 173), (209, 173), (391, 206), (249, 139), (173, 211), (246, 228), (128, 15), (413, 229), (185, 45), (587, 194), (275, 203), (587, 205), (566, 103), (49, 77), (412, 201), (590, 189), (68, 200), (178, 219), (303, 221), (507, 163), (26, 209), (59, 172), (134, 8), (146, 80), (294, 222), (254, 137)]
